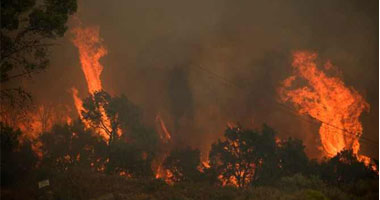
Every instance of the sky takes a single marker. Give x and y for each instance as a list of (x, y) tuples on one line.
[(200, 64)]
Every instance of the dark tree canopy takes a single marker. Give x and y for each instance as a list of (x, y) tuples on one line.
[(184, 163), (28, 29), (292, 157), (17, 159)]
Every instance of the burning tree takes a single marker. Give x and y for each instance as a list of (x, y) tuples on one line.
[(126, 135), (98, 111)]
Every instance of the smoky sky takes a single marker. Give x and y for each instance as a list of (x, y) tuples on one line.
[(200, 64)]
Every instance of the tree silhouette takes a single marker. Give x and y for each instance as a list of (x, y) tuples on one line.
[(28, 28), (292, 157), (243, 156), (17, 160)]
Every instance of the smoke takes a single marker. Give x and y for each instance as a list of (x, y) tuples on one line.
[(202, 63)]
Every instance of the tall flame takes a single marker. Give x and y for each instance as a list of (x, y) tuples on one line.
[(90, 47), (328, 100)]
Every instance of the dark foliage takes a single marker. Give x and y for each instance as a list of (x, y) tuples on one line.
[(184, 164), (344, 168), (17, 159), (28, 29), (68, 146)]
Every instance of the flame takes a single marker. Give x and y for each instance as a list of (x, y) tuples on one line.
[(164, 174), (77, 102), (328, 100), (90, 47), (165, 135), (206, 164)]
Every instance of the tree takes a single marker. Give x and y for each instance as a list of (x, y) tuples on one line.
[(267, 150), (183, 164), (28, 28), (244, 155)]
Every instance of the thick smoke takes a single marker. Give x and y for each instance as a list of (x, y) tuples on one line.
[(200, 64)]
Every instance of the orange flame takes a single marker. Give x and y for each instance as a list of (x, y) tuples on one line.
[(88, 42), (90, 47), (165, 135), (164, 174), (77, 102), (206, 164), (328, 100)]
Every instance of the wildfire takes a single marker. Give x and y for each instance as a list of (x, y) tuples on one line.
[(90, 47), (165, 137), (328, 100)]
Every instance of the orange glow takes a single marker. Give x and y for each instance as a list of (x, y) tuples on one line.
[(328, 100)]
